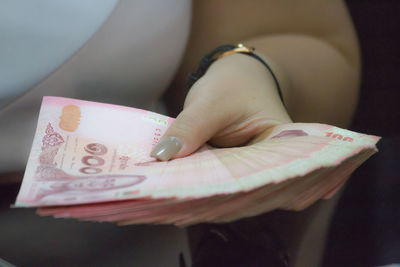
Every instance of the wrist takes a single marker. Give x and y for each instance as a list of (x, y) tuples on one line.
[(246, 78), (227, 50), (246, 72)]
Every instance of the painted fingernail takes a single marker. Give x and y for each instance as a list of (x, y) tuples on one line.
[(166, 148)]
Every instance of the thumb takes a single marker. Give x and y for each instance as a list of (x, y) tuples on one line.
[(193, 127)]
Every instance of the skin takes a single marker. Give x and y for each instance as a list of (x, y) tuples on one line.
[(310, 45)]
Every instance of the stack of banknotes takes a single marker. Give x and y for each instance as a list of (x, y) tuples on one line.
[(90, 161)]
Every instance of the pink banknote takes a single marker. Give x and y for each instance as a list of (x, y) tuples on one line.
[(87, 152)]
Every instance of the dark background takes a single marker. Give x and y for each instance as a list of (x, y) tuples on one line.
[(365, 230)]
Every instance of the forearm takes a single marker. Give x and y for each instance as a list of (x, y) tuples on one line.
[(319, 82)]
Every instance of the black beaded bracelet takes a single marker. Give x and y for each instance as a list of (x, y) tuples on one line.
[(226, 50)]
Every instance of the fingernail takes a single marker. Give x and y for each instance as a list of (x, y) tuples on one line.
[(166, 148)]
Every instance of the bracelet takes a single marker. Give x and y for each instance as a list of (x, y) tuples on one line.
[(226, 50)]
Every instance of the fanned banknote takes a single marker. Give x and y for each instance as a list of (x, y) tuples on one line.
[(91, 161)]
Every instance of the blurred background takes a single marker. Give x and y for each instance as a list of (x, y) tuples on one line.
[(365, 229)]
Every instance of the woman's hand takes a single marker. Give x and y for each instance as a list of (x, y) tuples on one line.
[(234, 102)]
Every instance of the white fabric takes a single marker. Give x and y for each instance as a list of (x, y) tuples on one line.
[(37, 36)]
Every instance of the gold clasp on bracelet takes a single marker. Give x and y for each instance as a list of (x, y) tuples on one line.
[(240, 48)]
